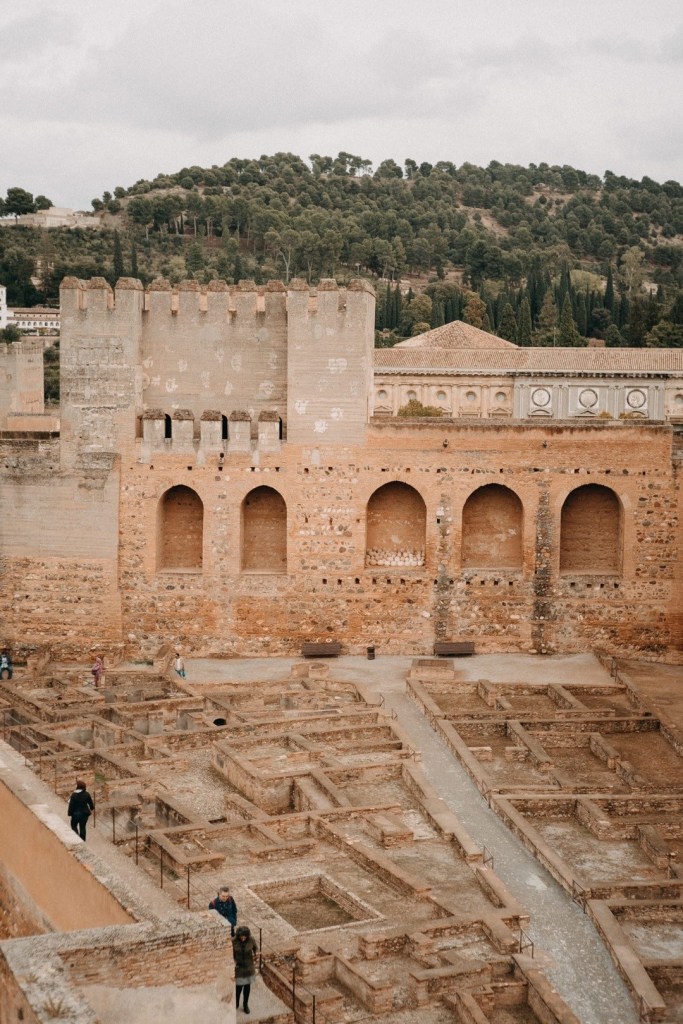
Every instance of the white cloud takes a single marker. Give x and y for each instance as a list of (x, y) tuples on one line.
[(91, 97)]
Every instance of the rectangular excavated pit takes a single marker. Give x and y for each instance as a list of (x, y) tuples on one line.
[(313, 902)]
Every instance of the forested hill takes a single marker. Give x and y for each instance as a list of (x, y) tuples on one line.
[(539, 254)]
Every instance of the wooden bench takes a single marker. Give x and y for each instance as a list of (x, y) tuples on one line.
[(328, 649), (451, 648)]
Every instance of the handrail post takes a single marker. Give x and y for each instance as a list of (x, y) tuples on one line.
[(161, 866), (188, 886), (113, 825), (136, 842)]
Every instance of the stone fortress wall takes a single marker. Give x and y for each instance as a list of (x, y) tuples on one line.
[(220, 482)]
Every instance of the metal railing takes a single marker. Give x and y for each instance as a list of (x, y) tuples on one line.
[(525, 942)]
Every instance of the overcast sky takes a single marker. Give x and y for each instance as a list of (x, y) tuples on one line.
[(94, 94)]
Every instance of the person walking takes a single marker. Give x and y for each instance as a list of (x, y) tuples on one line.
[(244, 950), (226, 907), (179, 666), (98, 671), (80, 808), (5, 663)]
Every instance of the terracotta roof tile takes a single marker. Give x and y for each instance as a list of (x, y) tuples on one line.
[(528, 360), (456, 335)]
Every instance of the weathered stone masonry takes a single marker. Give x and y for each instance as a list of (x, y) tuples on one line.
[(219, 482)]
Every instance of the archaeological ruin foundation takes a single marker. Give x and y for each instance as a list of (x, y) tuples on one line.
[(228, 477)]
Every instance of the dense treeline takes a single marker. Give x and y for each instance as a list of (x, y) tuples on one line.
[(540, 255)]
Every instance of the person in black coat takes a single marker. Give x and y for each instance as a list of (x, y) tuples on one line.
[(244, 950), (80, 808)]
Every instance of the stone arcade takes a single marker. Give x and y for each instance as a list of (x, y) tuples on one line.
[(229, 476)]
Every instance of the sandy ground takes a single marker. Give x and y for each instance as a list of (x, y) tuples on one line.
[(172, 1005)]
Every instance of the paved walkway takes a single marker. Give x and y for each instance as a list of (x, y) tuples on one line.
[(568, 947)]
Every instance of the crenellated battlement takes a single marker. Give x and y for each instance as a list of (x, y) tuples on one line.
[(217, 299), (227, 347), (21, 379)]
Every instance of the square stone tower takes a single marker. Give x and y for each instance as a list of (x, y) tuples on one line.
[(329, 362)]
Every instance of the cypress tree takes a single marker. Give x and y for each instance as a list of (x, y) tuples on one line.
[(437, 314), (622, 318), (581, 315), (508, 326), (118, 258), (636, 324), (398, 306), (568, 334), (133, 260), (609, 291), (565, 287), (524, 323), (237, 270), (547, 320)]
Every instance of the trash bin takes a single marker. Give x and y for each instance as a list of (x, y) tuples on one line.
[(371, 653)]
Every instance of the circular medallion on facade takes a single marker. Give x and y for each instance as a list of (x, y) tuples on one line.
[(412, 395), (678, 400), (441, 396), (636, 399), (500, 396), (381, 394), (471, 396), (541, 397), (588, 398)]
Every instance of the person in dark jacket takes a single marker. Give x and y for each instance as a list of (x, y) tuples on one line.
[(226, 907), (244, 950), (5, 663), (81, 807)]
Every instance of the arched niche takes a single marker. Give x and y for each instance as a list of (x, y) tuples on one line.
[(264, 531), (180, 529), (492, 526), (396, 526), (591, 531)]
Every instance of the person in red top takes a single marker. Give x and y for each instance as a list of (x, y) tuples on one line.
[(98, 670)]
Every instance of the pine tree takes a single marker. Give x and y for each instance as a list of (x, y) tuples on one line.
[(568, 335), (194, 258), (524, 323), (476, 313), (118, 258), (508, 326)]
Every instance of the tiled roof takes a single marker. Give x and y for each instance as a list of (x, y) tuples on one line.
[(527, 360), (456, 335)]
